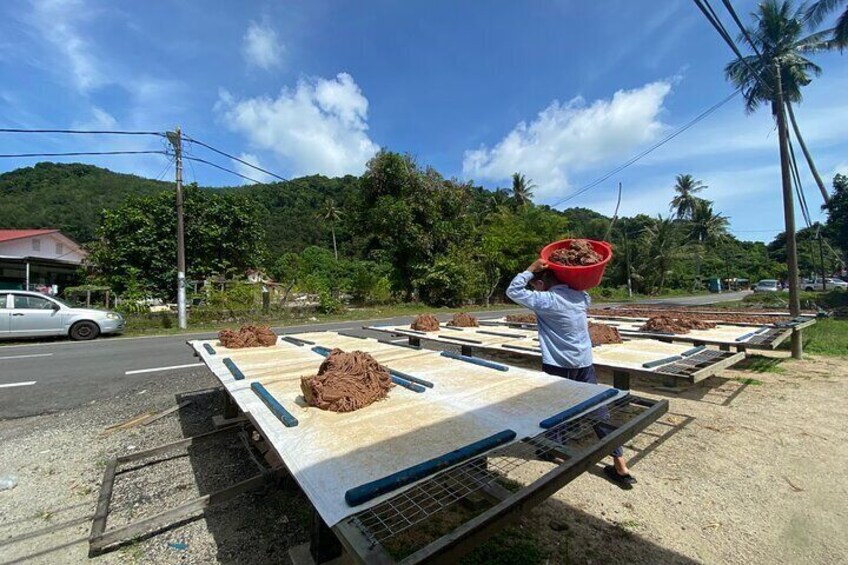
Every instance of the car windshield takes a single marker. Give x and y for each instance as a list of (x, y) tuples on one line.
[(62, 302), (768, 283)]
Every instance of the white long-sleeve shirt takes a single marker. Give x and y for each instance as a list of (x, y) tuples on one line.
[(563, 326)]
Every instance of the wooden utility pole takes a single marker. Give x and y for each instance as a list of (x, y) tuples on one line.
[(175, 137), (627, 262), (788, 209)]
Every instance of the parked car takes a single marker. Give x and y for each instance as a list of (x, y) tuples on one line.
[(830, 283), (31, 314), (767, 285)]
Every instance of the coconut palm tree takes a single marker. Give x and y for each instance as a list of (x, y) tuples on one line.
[(522, 189), (818, 11), (779, 41), (705, 228), (660, 239), (778, 37), (683, 203), (331, 214), (498, 200)]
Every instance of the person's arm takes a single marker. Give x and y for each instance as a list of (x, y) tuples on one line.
[(519, 293)]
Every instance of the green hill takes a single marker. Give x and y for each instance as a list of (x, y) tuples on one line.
[(66, 196), (70, 197)]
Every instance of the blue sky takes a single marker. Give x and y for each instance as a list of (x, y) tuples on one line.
[(562, 91)]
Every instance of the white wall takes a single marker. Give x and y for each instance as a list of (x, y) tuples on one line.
[(51, 246)]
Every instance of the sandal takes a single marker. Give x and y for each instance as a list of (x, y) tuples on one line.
[(624, 481)]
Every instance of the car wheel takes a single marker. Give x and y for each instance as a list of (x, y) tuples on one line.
[(82, 331)]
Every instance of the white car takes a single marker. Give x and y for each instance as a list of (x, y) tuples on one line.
[(32, 314), (767, 285), (831, 284)]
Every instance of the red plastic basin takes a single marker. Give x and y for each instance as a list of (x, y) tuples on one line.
[(580, 277)]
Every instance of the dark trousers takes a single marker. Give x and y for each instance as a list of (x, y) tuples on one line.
[(585, 375)]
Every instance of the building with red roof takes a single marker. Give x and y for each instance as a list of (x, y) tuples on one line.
[(38, 259)]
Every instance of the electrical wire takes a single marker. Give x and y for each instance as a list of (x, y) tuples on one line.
[(649, 150), (715, 21), (234, 158), (79, 154), (211, 164), (81, 131), (729, 7)]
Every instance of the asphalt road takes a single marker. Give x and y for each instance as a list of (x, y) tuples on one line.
[(41, 377)]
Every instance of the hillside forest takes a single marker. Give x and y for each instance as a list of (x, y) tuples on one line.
[(399, 232)]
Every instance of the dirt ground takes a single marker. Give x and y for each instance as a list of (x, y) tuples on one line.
[(745, 468)]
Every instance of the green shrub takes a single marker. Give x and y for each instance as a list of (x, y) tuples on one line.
[(327, 304)]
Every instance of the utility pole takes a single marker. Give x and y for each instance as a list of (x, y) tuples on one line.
[(627, 262), (788, 209), (175, 137), (821, 257)]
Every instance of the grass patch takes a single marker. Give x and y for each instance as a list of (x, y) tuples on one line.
[(748, 381), (513, 546), (760, 364), (826, 337), (153, 325)]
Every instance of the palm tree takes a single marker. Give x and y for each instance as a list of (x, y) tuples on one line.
[(778, 37), (661, 241), (522, 189), (498, 200), (819, 11), (779, 42), (332, 214), (683, 203), (706, 228)]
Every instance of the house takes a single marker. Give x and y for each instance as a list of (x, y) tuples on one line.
[(42, 259)]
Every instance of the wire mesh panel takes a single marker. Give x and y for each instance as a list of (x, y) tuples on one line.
[(695, 363), (767, 338), (556, 445)]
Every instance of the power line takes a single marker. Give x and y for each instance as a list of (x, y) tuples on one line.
[(234, 158), (650, 149), (80, 154), (729, 7), (211, 164), (81, 131)]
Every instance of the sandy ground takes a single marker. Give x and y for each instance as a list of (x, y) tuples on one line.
[(738, 471)]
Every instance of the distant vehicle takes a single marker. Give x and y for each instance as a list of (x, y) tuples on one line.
[(767, 285), (32, 314), (830, 284)]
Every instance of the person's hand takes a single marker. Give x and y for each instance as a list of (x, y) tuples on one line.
[(538, 266)]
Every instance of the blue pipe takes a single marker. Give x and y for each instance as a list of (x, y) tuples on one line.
[(321, 350), (521, 347), (693, 351), (364, 493), (578, 408), (501, 334), (658, 362), (296, 341), (406, 384), (237, 374), (273, 405), (209, 349), (475, 361), (410, 378), (744, 337)]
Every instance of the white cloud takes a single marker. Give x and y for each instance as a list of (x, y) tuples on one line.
[(565, 138), (243, 169), (840, 169), (318, 127), (261, 47), (58, 22)]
